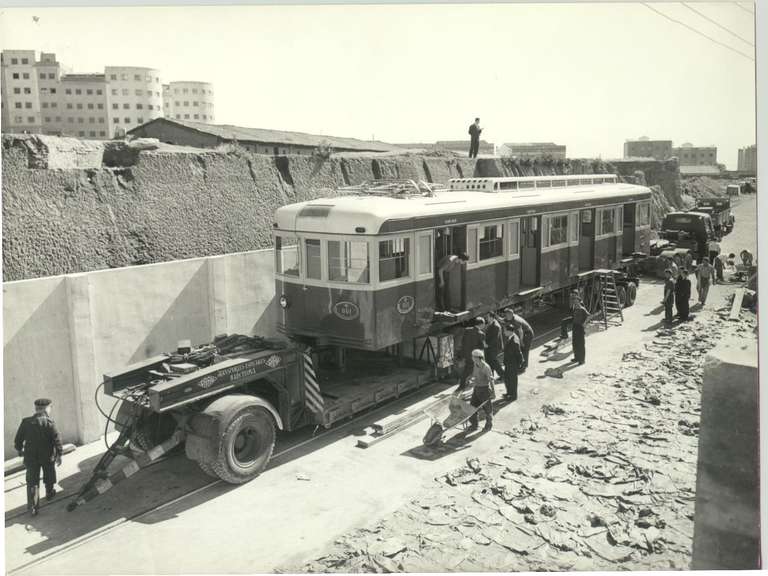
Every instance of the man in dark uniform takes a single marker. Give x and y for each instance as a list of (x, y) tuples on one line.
[(524, 332), (669, 296), (494, 339), (683, 295), (580, 317), (38, 442), (473, 339), (474, 138), (513, 360)]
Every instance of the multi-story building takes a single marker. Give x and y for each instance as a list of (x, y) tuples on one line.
[(135, 97), (748, 160), (643, 147), (189, 101), (690, 155), (82, 107), (533, 150), (20, 93)]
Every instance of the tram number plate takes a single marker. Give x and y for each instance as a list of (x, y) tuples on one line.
[(346, 310)]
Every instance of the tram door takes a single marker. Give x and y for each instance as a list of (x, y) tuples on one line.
[(628, 238), (587, 240), (450, 242), (530, 253)]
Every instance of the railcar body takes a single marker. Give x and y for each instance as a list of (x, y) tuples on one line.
[(361, 270)]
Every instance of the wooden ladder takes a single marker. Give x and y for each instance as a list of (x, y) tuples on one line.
[(609, 298)]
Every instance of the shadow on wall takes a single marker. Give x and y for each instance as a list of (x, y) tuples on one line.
[(37, 357)]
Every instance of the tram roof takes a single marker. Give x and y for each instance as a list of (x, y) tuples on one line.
[(371, 214)]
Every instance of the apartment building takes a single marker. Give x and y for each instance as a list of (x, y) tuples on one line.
[(690, 155), (532, 150), (189, 101), (20, 92), (748, 160), (644, 147)]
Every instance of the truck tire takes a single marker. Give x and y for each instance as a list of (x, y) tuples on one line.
[(621, 294), (631, 294), (245, 446), (207, 467)]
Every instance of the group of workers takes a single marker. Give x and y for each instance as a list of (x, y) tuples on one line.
[(482, 346)]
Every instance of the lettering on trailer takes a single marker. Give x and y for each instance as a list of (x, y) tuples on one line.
[(346, 310)]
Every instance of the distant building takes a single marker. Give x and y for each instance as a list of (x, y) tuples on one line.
[(700, 170), (258, 140), (38, 98), (690, 155), (458, 146), (646, 148), (748, 160), (533, 150), (189, 101)]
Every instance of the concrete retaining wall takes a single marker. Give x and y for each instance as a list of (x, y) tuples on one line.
[(727, 517), (62, 334)]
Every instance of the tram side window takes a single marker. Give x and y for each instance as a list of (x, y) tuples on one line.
[(348, 261), (393, 258), (491, 241), (607, 221), (514, 238), (643, 214), (287, 255), (425, 254), (314, 265), (558, 230)]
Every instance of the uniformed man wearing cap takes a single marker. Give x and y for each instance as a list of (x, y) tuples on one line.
[(482, 383), (38, 442)]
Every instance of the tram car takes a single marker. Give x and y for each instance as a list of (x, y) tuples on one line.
[(363, 270)]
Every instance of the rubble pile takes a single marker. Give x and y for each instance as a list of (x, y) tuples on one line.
[(604, 480)]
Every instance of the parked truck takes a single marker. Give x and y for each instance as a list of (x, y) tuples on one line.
[(719, 210), (691, 231)]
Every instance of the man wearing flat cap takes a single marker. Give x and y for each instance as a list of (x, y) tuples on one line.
[(38, 442)]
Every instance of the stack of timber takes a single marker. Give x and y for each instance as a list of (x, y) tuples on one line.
[(394, 423)]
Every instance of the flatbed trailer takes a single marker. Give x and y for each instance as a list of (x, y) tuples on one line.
[(226, 401)]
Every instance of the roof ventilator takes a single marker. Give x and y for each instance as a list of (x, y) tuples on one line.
[(394, 188)]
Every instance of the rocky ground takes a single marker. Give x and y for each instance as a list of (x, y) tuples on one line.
[(604, 480)]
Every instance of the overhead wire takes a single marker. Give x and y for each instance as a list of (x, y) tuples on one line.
[(699, 32), (716, 23)]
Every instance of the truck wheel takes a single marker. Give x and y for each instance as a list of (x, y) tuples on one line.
[(621, 292), (245, 446), (207, 467), (631, 294)]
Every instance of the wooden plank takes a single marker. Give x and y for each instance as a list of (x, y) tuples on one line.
[(370, 440), (394, 421), (738, 296)]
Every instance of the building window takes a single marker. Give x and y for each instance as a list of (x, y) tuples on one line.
[(137, 77), (43, 90), (286, 255), (178, 116), (197, 116), (102, 133), (70, 120), (139, 106), (491, 241), (101, 119), (175, 90), (91, 133), (113, 76), (140, 120), (126, 106), (148, 78), (48, 119), (313, 258), (45, 104), (115, 106), (115, 120), (91, 120), (51, 76), (150, 107), (17, 90), (81, 133), (114, 91), (123, 77), (348, 261), (80, 120), (138, 92), (14, 60), (78, 91), (15, 75), (17, 105), (194, 103), (27, 90), (69, 105), (90, 105), (18, 119), (27, 104), (125, 91), (89, 91), (177, 103), (186, 116), (25, 75), (58, 118), (53, 90), (31, 119), (186, 90), (79, 106), (42, 75), (186, 102), (393, 258), (204, 118), (194, 90), (100, 106), (25, 60), (127, 120)]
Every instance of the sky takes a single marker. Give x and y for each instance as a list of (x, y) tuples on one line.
[(589, 76)]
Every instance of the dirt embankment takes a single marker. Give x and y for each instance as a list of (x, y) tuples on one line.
[(74, 206), (603, 481)]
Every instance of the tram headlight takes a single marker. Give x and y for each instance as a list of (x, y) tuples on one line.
[(283, 302)]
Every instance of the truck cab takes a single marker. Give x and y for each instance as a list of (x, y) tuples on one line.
[(691, 230), (719, 209)]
